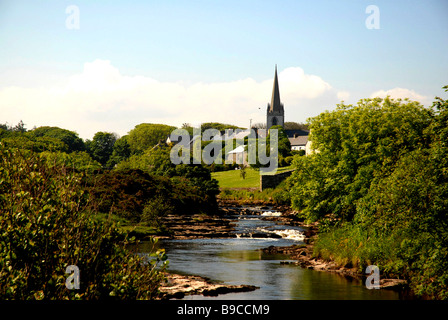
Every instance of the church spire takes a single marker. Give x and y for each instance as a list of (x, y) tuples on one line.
[(275, 113), (275, 100)]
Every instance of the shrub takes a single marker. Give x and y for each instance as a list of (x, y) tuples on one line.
[(44, 229), (154, 210), (126, 192)]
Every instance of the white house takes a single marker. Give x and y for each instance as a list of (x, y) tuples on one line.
[(237, 155), (299, 142)]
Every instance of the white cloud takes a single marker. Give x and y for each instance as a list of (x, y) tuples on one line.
[(100, 98), (343, 95), (401, 93)]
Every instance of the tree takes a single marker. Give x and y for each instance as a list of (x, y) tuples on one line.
[(102, 146), (79, 161), (356, 143), (259, 125), (243, 171), (295, 126), (188, 127), (20, 127), (36, 144), (70, 138), (147, 135), (121, 151), (156, 161), (218, 126), (379, 186), (284, 146), (45, 228)]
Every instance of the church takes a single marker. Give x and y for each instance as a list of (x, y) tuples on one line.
[(275, 115)]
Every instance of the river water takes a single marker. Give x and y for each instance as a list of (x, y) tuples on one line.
[(238, 261)]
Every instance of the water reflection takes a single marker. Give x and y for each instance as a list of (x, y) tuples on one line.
[(239, 261)]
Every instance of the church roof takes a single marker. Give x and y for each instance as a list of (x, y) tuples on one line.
[(294, 133), (275, 100)]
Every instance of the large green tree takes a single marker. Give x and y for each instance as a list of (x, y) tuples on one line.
[(147, 135), (121, 151), (355, 143), (284, 146), (102, 146), (379, 186), (70, 138)]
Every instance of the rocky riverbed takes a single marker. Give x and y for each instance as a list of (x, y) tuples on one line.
[(177, 286), (222, 226)]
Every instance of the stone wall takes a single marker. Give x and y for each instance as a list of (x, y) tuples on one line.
[(271, 181)]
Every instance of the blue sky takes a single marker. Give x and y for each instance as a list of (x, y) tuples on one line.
[(196, 61)]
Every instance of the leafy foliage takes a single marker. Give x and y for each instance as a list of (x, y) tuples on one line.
[(355, 143), (284, 146), (155, 160), (218, 126), (79, 161), (121, 151), (147, 135), (70, 138), (44, 228), (154, 210), (125, 193), (102, 146), (379, 187)]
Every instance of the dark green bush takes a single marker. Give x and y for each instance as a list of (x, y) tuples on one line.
[(126, 192), (44, 229)]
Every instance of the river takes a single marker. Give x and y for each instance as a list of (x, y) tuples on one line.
[(239, 260)]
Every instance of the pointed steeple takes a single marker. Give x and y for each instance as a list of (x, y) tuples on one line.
[(275, 112), (275, 100)]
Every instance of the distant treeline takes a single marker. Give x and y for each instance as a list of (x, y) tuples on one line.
[(61, 205)]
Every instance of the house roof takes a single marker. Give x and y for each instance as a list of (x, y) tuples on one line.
[(178, 138), (242, 134), (239, 149), (298, 141)]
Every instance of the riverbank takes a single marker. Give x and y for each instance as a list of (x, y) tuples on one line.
[(222, 226), (303, 254)]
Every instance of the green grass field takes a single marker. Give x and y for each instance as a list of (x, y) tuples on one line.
[(233, 179)]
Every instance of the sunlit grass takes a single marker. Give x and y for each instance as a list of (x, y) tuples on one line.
[(233, 178)]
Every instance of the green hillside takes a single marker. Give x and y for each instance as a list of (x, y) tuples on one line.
[(233, 179)]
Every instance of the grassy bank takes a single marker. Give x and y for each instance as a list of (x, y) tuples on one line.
[(417, 257), (352, 246), (233, 178), (138, 230), (278, 195)]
